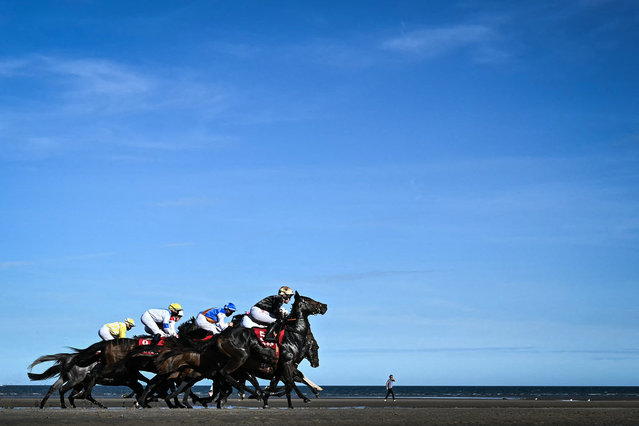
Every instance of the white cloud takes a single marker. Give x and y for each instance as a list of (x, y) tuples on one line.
[(100, 76), (73, 104), (437, 41), (171, 245), (13, 264), (185, 202)]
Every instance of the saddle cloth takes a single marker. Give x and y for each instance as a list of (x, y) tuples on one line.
[(147, 342), (260, 333)]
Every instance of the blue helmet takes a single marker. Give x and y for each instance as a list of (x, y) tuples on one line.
[(230, 307)]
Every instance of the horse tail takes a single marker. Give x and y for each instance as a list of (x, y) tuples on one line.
[(52, 371), (45, 358)]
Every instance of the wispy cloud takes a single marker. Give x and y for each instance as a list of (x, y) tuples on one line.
[(83, 257), (432, 42), (64, 259), (55, 104), (94, 76), (185, 202), (356, 276), (612, 354), (436, 349), (13, 264), (171, 245)]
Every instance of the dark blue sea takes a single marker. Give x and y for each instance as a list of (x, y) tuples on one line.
[(593, 393)]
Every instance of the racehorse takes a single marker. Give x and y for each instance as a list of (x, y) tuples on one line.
[(241, 345), (114, 362), (68, 374), (192, 366)]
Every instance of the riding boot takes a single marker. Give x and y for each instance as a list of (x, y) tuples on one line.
[(156, 338), (272, 332)]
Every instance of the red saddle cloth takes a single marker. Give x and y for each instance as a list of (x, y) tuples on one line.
[(207, 337), (261, 332), (148, 342)]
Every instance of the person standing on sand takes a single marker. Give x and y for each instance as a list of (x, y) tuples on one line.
[(389, 387)]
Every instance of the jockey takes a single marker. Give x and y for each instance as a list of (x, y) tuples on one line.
[(114, 330), (212, 320), (269, 311), (153, 319)]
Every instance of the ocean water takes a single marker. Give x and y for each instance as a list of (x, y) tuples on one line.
[(593, 393)]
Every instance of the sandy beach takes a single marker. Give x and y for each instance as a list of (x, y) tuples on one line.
[(351, 411)]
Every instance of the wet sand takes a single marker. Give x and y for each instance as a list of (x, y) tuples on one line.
[(349, 411)]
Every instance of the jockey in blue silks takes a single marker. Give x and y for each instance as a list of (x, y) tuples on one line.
[(212, 320)]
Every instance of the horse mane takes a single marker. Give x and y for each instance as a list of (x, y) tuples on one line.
[(142, 336), (187, 326), (87, 356)]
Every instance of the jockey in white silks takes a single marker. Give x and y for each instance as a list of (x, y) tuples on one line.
[(153, 319), (212, 320)]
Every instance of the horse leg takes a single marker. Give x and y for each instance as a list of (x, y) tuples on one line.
[(187, 392), (52, 389), (230, 367), (299, 393), (258, 390), (226, 390), (75, 393), (137, 390), (88, 388), (288, 382), (297, 389), (147, 391), (267, 394), (64, 389), (175, 393)]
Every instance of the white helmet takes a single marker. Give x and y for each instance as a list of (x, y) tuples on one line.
[(285, 291)]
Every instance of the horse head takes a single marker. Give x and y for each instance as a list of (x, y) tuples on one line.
[(312, 352), (307, 306)]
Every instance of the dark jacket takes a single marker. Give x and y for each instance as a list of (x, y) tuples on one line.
[(271, 304)]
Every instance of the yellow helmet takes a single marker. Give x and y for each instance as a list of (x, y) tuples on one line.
[(285, 291), (129, 322), (175, 308)]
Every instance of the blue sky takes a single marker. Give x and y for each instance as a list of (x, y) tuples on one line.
[(458, 181)]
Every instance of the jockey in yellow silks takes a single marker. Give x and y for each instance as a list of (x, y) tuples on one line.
[(116, 330)]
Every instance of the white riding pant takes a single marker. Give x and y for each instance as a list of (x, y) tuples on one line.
[(202, 322), (105, 333), (262, 316), (150, 326)]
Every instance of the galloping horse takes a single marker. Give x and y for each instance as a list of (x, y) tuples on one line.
[(114, 362), (242, 345)]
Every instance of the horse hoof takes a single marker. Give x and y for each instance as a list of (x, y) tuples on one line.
[(306, 400)]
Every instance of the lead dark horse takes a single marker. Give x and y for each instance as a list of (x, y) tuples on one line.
[(241, 345)]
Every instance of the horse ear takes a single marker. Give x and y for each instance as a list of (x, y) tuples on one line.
[(296, 293)]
